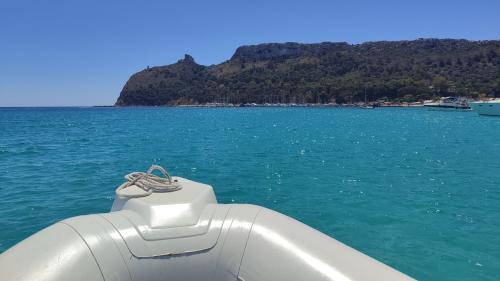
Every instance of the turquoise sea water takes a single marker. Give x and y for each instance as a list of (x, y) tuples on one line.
[(416, 189)]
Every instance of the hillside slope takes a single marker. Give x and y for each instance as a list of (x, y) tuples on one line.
[(325, 72)]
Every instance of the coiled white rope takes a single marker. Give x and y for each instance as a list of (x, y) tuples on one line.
[(148, 182)]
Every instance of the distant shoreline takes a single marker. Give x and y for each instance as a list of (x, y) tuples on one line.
[(334, 105), (229, 105)]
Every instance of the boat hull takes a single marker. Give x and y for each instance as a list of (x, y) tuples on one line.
[(447, 108)]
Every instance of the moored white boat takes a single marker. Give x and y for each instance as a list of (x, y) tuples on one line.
[(449, 103), (367, 106), (488, 107)]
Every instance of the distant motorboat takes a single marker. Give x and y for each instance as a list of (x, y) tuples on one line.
[(366, 106), (449, 103), (488, 107)]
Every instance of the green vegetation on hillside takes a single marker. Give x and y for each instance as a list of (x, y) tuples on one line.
[(325, 72)]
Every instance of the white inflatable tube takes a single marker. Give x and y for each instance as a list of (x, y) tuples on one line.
[(185, 235)]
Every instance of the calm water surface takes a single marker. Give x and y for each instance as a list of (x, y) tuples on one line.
[(416, 189)]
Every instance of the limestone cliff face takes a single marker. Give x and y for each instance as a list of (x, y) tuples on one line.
[(324, 72), (286, 50)]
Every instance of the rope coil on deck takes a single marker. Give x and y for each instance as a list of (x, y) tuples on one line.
[(148, 182)]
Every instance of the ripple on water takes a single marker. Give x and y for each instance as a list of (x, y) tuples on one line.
[(420, 193)]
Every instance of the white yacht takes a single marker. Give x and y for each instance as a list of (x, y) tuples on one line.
[(487, 107), (449, 103)]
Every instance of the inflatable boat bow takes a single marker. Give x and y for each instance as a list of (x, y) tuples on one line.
[(172, 229)]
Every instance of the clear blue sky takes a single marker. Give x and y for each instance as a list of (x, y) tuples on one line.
[(67, 52)]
